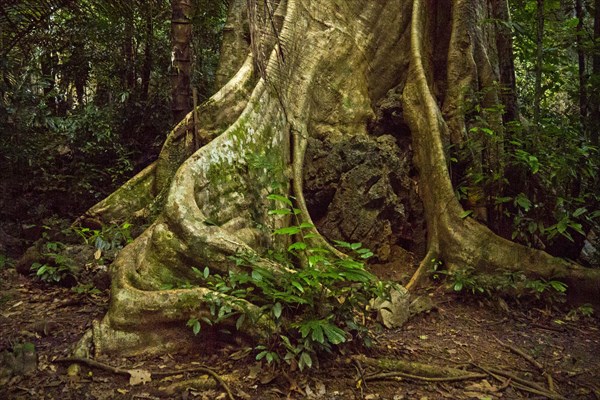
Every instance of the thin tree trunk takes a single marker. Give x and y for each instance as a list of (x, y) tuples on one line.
[(581, 65), (128, 53), (595, 100), (181, 36), (539, 63), (506, 61), (147, 67)]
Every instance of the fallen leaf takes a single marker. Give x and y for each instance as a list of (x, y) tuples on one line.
[(123, 391), (139, 376)]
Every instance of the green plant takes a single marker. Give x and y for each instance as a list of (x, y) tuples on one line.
[(4, 261), (314, 308), (109, 237), (583, 311), (552, 287), (87, 289), (57, 266), (458, 279)]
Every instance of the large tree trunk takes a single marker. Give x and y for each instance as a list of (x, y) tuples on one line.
[(333, 62)]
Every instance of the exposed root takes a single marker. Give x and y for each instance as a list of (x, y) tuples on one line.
[(414, 370), (398, 369), (121, 371), (520, 383), (398, 374), (421, 271), (520, 352)]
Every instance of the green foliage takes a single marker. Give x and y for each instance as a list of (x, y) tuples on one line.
[(58, 266), (108, 238), (467, 280), (314, 308), (87, 289), (5, 261), (583, 311)]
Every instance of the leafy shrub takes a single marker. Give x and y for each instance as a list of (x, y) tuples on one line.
[(315, 308), (57, 268)]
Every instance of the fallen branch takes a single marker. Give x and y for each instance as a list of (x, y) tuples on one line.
[(521, 353), (120, 371)]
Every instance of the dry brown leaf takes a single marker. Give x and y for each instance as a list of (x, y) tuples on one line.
[(139, 376)]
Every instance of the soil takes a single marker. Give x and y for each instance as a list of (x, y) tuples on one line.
[(465, 332)]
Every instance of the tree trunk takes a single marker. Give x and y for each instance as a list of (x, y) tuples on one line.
[(128, 52), (341, 58), (148, 49), (579, 13), (595, 100), (181, 36), (506, 61), (539, 63)]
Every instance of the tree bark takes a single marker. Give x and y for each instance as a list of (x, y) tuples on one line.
[(340, 57), (181, 36), (148, 49), (506, 61), (595, 100), (539, 63)]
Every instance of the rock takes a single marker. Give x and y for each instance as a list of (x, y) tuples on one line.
[(395, 312), (31, 255), (360, 190), (422, 304), (590, 253)]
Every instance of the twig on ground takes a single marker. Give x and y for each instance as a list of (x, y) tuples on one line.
[(521, 353)]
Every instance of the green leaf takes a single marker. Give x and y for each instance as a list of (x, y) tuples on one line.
[(194, 324), (562, 225), (501, 200), (257, 276), (466, 213), (534, 164), (458, 286), (579, 211), (577, 227), (281, 199), (277, 310), (305, 360), (334, 334), (270, 357), (206, 272), (298, 286), (558, 286), (355, 246), (240, 321), (297, 246), (306, 225), (290, 230), (280, 211), (317, 333), (523, 201), (261, 355)]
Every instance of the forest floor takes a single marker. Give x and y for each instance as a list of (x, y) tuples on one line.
[(560, 350)]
